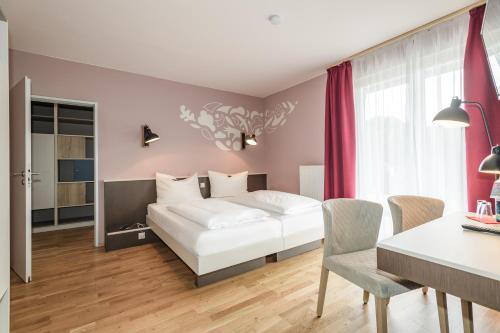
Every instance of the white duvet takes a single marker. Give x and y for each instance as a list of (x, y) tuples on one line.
[(217, 213), (275, 201)]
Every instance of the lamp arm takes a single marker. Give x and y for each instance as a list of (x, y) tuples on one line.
[(484, 119)]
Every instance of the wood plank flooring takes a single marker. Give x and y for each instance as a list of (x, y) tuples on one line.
[(77, 288)]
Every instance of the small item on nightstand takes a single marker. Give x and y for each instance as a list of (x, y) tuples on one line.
[(485, 211), (479, 206)]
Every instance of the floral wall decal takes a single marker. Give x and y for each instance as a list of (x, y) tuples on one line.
[(223, 124), (277, 116)]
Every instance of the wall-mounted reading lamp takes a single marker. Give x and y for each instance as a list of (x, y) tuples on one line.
[(454, 115), (148, 136), (248, 139)]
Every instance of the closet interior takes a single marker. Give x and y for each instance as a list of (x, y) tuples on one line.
[(62, 150)]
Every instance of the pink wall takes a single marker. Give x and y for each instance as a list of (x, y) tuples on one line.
[(125, 102), (301, 140)]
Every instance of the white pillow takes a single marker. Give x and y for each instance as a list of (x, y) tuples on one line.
[(170, 191), (225, 185)]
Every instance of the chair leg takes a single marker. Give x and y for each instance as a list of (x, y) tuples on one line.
[(381, 313), (366, 297), (442, 312), (467, 317), (425, 290), (322, 290)]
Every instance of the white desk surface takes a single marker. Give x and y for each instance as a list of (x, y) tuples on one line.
[(445, 242)]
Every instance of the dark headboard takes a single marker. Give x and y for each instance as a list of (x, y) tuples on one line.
[(126, 201)]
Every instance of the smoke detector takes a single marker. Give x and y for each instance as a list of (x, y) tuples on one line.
[(275, 19)]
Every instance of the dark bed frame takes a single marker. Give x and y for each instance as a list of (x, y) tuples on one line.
[(126, 201)]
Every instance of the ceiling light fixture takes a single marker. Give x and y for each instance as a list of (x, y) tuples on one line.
[(275, 19)]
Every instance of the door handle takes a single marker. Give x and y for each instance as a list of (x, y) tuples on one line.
[(35, 173), (21, 174)]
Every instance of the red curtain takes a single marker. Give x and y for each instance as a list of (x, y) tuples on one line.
[(340, 139), (478, 87)]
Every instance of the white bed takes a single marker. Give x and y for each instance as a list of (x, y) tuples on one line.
[(301, 218), (236, 231), (205, 250)]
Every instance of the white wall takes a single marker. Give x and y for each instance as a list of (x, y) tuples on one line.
[(4, 179)]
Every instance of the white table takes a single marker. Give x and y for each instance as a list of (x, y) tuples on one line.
[(442, 255)]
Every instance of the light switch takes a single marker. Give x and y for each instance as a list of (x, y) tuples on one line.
[(202, 185)]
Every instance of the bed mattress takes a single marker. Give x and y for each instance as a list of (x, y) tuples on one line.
[(200, 241), (302, 228)]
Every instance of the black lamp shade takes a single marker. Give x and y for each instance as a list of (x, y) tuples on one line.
[(149, 136), (251, 140), (453, 115), (491, 164), (248, 139)]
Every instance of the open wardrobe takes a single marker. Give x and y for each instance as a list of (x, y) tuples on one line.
[(62, 137), (53, 171)]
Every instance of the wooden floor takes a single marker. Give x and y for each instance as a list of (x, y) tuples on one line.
[(78, 288)]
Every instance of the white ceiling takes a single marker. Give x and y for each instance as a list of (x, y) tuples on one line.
[(223, 44)]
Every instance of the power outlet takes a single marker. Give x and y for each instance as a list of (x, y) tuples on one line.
[(202, 185), (141, 235)]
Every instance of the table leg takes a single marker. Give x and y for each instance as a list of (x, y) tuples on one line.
[(442, 311), (467, 316)]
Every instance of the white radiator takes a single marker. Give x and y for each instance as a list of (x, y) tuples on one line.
[(311, 181)]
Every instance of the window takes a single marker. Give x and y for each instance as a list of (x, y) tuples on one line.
[(398, 90)]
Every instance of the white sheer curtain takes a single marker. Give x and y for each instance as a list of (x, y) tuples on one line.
[(397, 91)]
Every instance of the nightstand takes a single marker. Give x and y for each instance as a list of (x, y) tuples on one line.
[(120, 239)]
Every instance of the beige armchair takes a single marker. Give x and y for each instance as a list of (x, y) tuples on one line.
[(410, 211), (351, 232)]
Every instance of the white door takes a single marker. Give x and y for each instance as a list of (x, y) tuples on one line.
[(20, 183), (4, 178)]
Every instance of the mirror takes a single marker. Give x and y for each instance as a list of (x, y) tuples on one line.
[(491, 39)]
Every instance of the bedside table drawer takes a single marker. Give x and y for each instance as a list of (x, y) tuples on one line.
[(127, 238)]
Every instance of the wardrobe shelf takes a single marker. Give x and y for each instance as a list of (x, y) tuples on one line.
[(76, 159), (42, 118), (77, 135), (87, 220), (76, 181), (65, 225), (79, 205), (75, 120)]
